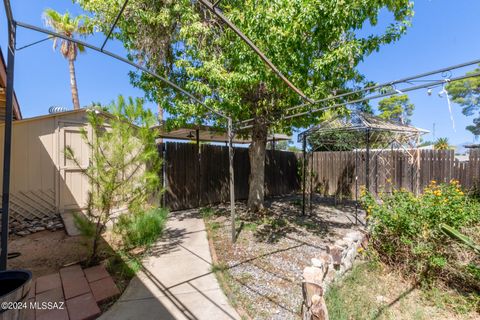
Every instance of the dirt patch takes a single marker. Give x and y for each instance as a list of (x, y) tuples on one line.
[(46, 252)]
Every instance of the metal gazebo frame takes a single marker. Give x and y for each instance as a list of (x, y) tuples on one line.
[(374, 130), (293, 112)]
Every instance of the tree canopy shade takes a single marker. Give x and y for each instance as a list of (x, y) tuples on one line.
[(467, 94), (316, 44)]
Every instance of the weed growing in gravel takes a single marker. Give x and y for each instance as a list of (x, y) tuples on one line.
[(219, 267), (208, 213)]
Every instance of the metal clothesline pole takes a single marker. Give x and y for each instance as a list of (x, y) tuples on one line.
[(356, 185), (304, 169), (7, 144), (367, 160), (232, 178)]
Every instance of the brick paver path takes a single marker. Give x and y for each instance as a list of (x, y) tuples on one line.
[(71, 294)]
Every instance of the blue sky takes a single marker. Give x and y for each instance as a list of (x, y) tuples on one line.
[(443, 33)]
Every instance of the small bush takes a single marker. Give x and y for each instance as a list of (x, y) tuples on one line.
[(406, 233), (142, 228)]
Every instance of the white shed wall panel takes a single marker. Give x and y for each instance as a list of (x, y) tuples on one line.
[(43, 181)]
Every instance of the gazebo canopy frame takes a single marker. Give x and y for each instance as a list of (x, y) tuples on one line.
[(305, 109), (373, 131)]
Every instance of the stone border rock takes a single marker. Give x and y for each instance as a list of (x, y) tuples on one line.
[(28, 226), (325, 270)]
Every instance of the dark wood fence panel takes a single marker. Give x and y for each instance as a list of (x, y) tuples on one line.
[(334, 172), (196, 178)]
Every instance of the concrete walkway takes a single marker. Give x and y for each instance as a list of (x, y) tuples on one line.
[(176, 282)]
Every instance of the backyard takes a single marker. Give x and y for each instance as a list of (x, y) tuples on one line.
[(263, 269), (240, 160), (262, 272)]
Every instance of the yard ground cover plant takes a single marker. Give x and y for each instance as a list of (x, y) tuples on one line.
[(373, 290), (406, 235)]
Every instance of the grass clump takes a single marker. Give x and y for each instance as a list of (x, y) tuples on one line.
[(123, 265), (219, 267), (373, 291), (142, 228), (208, 213)]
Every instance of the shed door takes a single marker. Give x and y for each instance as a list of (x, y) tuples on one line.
[(73, 183)]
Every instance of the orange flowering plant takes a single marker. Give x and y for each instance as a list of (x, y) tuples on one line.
[(405, 228)]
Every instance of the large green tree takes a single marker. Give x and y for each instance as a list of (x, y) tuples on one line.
[(317, 44), (467, 94), (396, 108)]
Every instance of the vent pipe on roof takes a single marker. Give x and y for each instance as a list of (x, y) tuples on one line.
[(57, 109)]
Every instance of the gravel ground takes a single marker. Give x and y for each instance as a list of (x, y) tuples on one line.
[(264, 267)]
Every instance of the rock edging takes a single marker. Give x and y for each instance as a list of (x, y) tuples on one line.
[(327, 268)]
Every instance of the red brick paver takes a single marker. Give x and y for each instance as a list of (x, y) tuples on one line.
[(50, 296), (96, 273), (54, 314), (80, 290), (83, 307), (29, 313), (45, 283), (74, 281), (104, 289)]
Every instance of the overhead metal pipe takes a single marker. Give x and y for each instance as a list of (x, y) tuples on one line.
[(383, 85), (427, 85), (33, 43), (221, 16), (114, 24), (115, 56)]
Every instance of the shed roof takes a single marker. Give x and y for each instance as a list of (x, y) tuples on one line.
[(186, 132)]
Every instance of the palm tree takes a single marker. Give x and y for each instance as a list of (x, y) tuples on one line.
[(442, 144), (69, 26)]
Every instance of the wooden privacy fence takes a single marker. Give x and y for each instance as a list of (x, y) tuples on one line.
[(198, 176), (335, 173)]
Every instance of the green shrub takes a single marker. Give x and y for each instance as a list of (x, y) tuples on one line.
[(406, 232), (142, 228)]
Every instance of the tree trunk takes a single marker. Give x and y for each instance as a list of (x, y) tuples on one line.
[(73, 85), (256, 153)]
